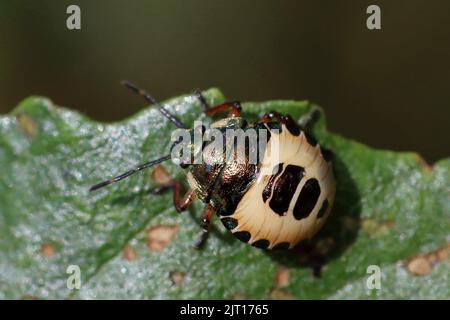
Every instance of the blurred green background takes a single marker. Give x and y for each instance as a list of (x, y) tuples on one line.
[(388, 88)]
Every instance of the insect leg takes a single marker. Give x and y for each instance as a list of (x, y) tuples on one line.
[(205, 223), (234, 106), (163, 178), (182, 204)]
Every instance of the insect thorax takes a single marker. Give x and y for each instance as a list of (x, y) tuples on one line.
[(224, 177)]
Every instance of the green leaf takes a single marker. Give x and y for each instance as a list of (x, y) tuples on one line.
[(390, 209)]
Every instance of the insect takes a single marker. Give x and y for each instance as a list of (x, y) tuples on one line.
[(268, 211)]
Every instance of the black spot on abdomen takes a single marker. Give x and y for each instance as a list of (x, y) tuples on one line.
[(311, 140), (323, 209), (307, 199), (284, 188), (268, 189), (243, 235), (326, 154), (229, 223), (293, 128), (262, 244)]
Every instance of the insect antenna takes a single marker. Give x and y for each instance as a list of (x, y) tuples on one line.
[(129, 173), (133, 88)]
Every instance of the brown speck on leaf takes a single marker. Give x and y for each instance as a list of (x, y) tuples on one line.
[(369, 225), (48, 250), (160, 175), (377, 228), (158, 237), (282, 278), (432, 257), (422, 264), (419, 266), (27, 124), (129, 253), (279, 291), (444, 252), (177, 277)]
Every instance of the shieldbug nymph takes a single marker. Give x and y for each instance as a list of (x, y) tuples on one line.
[(268, 204)]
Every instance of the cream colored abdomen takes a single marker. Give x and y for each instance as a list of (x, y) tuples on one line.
[(256, 216)]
